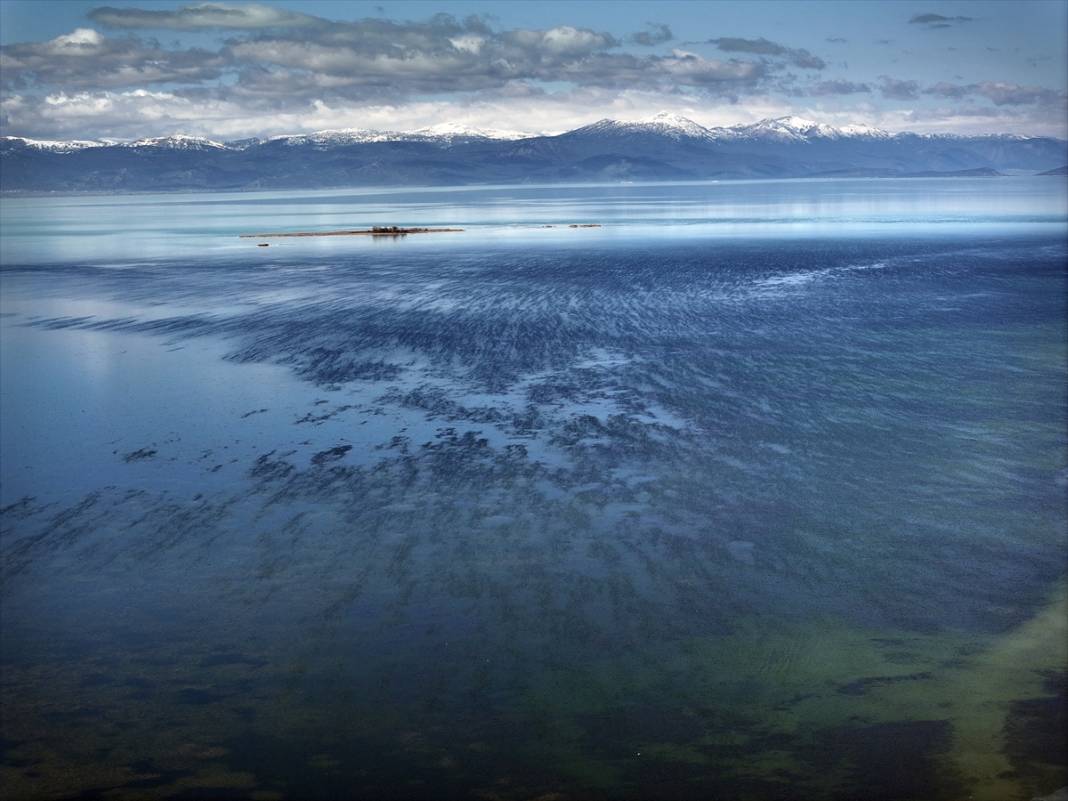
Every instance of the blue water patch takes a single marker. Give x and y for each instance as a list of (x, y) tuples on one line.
[(603, 514)]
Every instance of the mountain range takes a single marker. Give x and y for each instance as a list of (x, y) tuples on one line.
[(663, 147)]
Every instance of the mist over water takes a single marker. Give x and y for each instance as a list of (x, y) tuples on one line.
[(755, 492)]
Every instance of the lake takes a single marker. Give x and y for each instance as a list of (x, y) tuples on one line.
[(756, 492)]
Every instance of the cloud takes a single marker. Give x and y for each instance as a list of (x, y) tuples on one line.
[(655, 33), (895, 89), (1000, 93), (137, 113), (444, 54), (80, 40), (978, 120), (362, 59), (203, 16), (86, 59), (836, 40), (764, 47), (949, 90), (261, 68), (838, 87), (937, 20), (1011, 94)]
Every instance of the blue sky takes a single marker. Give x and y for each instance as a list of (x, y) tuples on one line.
[(124, 68)]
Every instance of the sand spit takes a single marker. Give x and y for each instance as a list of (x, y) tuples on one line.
[(388, 231), (391, 231)]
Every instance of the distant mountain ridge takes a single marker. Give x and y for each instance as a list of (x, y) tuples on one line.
[(663, 147), (444, 133), (667, 124)]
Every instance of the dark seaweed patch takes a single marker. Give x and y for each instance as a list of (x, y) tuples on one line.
[(139, 454), (331, 454), (1036, 737), (861, 686), (270, 469), (897, 761), (20, 508), (358, 767), (316, 419)]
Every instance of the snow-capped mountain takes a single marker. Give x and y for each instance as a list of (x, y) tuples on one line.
[(178, 142), (335, 137), (451, 131), (859, 129), (780, 129), (443, 133), (51, 145), (662, 147), (664, 124), (797, 129)]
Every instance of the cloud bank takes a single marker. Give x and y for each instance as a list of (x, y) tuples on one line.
[(796, 56), (937, 20), (206, 16), (228, 69)]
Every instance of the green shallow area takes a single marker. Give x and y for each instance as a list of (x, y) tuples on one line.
[(818, 710)]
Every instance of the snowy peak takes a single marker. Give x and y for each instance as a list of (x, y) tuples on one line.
[(173, 142), (665, 124), (443, 133), (335, 137), (793, 129), (857, 129), (178, 142), (450, 131), (798, 124), (676, 125), (787, 129), (51, 145), (670, 118)]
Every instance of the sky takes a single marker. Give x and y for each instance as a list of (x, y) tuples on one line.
[(125, 69)]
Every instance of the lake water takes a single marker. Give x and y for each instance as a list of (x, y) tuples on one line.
[(754, 492)]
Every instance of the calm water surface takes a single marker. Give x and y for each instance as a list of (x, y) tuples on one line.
[(755, 492)]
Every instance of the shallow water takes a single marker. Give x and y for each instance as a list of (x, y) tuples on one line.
[(756, 492)]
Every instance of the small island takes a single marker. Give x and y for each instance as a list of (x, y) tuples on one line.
[(378, 230)]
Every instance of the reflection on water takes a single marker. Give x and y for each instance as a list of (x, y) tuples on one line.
[(597, 514), (52, 229)]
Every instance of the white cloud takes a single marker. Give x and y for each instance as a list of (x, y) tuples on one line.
[(247, 16), (279, 71), (80, 40), (566, 39), (467, 43)]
